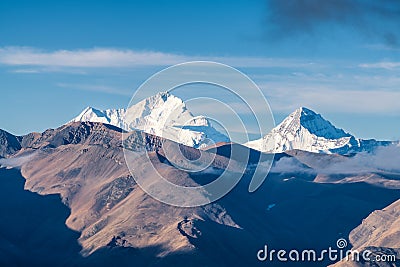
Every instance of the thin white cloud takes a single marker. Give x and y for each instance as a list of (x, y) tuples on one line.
[(36, 70), (97, 57), (110, 57), (382, 159), (18, 161), (25, 71), (381, 65), (97, 88)]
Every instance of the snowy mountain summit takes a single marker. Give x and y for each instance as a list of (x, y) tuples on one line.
[(109, 116), (306, 130), (164, 115)]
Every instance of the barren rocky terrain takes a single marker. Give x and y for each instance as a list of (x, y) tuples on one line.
[(299, 205)]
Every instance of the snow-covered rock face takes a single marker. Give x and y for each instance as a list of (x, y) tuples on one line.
[(306, 130), (109, 116), (164, 115), (315, 124)]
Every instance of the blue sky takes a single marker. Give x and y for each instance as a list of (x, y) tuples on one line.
[(340, 58)]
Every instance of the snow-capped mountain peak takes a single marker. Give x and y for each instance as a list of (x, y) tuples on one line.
[(162, 114), (307, 130), (313, 122), (108, 116), (155, 105)]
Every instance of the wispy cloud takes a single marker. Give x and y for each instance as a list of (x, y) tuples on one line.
[(38, 70), (97, 88), (25, 71), (97, 57), (381, 65), (112, 57), (17, 161), (382, 159)]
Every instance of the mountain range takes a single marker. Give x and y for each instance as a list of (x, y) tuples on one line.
[(308, 200), (117, 222), (167, 116)]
